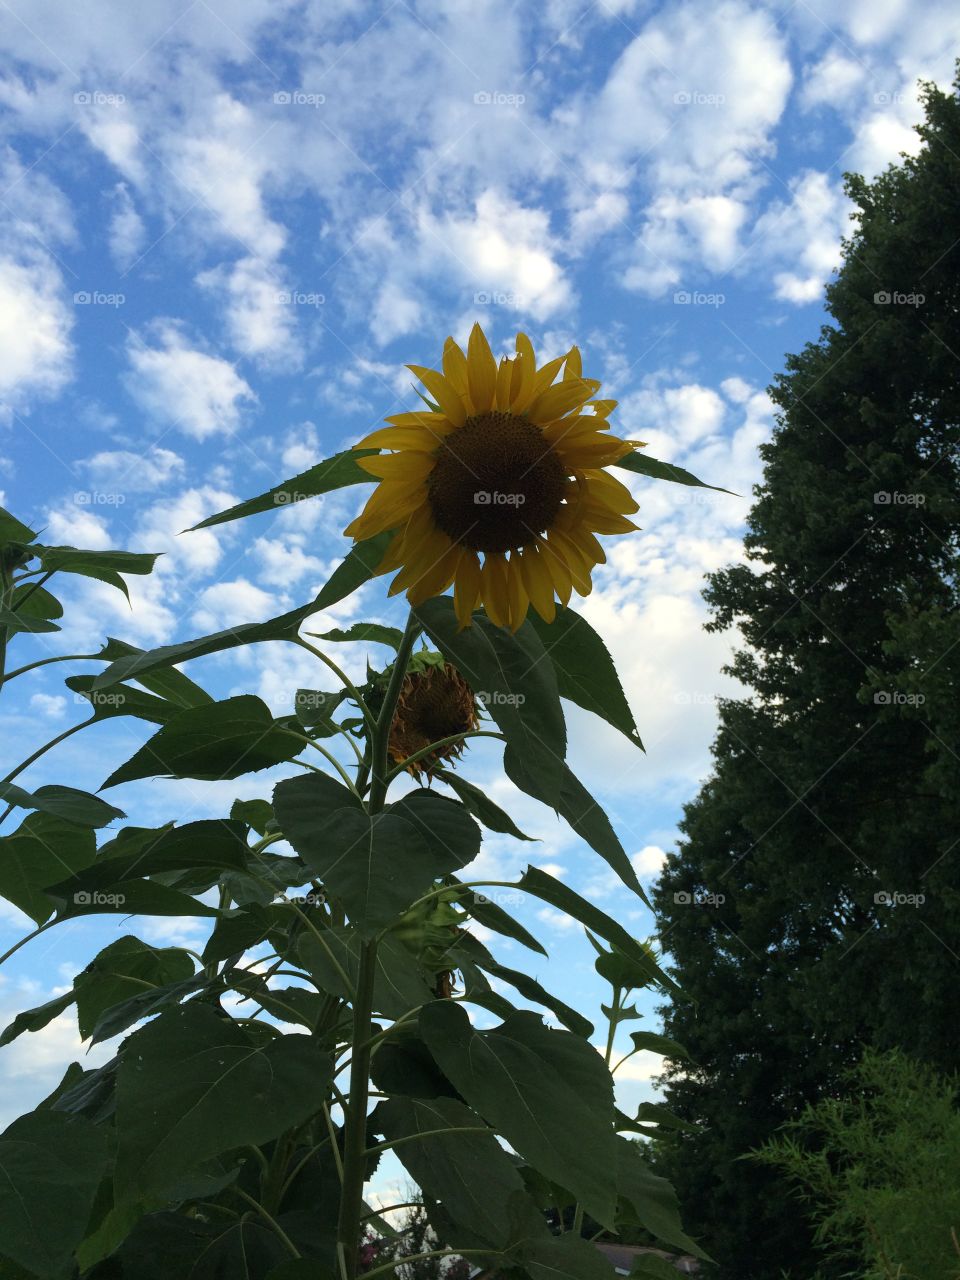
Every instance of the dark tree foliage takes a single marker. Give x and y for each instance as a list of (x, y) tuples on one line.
[(834, 803)]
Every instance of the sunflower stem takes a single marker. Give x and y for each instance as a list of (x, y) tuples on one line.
[(355, 1121)]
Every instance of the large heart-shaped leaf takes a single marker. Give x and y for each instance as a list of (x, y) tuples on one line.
[(193, 1084), (548, 1093), (124, 969), (42, 850), (51, 1165)]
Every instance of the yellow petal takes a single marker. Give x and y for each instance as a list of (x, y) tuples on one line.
[(437, 578), (455, 367), (573, 365), (504, 380), (420, 438), (422, 418), (603, 408), (538, 583), (421, 566), (517, 599), (466, 589), (524, 368), (451, 406), (481, 371), (573, 558), (398, 466), (493, 589), (556, 402), (555, 565)]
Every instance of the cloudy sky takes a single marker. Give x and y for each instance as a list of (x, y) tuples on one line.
[(228, 226)]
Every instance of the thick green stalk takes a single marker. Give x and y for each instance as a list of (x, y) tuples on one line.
[(355, 1123)]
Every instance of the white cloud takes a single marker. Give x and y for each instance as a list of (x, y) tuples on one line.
[(50, 705), (226, 604), (200, 394), (122, 471), (259, 317), (804, 232), (35, 324), (504, 248), (126, 234), (77, 527)]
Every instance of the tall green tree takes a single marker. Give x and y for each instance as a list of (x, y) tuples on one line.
[(812, 904)]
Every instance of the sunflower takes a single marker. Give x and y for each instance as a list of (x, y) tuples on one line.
[(435, 703), (506, 462)]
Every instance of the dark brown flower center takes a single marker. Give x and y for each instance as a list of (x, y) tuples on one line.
[(434, 704), (497, 484)]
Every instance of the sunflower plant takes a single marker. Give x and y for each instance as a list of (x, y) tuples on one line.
[(330, 1017)]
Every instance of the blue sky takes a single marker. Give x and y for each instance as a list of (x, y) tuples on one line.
[(227, 227)]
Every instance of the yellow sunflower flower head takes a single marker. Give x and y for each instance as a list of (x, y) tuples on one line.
[(502, 488)]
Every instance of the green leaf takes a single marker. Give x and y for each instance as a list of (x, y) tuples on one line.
[(399, 983), (12, 530), (585, 671), (376, 865), (580, 809), (257, 814), (237, 931), (297, 1005), (314, 708), (358, 567), (548, 889), (193, 1084), (623, 971), (643, 465), (51, 1166), (144, 1004), (222, 740), (510, 675), (658, 1044), (129, 898), (32, 601), (548, 1093), (36, 1019), (74, 806), (38, 854), (13, 623), (468, 1171), (488, 913), (403, 1066), (476, 800), (217, 844), (166, 683), (121, 970), (652, 1198), (528, 987), (333, 473), (105, 566), (567, 1255), (121, 700), (373, 631)]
